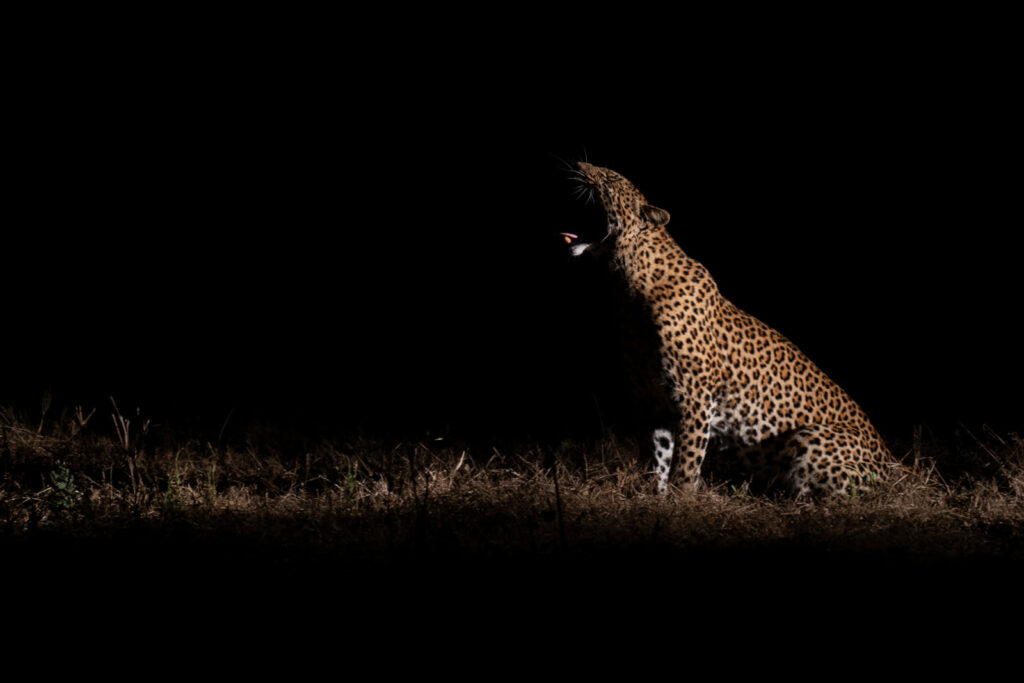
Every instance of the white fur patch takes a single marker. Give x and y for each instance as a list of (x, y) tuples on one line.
[(578, 248), (664, 444)]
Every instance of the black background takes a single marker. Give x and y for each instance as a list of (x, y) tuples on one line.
[(350, 224), (367, 246)]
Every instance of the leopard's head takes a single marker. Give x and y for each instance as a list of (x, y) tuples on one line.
[(625, 207)]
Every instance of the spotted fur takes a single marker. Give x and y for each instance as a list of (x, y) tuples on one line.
[(732, 380)]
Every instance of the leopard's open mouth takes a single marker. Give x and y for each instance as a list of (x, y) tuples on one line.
[(575, 244)]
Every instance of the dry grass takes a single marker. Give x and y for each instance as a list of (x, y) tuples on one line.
[(366, 499), (114, 521)]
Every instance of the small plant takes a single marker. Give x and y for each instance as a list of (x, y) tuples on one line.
[(173, 499), (347, 475), (66, 495), (741, 492), (210, 485)]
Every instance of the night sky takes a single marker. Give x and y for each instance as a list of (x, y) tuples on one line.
[(390, 261)]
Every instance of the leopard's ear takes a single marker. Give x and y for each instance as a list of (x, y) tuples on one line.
[(653, 215)]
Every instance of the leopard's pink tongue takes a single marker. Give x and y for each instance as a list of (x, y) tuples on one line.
[(569, 237)]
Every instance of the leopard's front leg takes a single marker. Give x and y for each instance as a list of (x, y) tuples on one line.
[(688, 447), (694, 435)]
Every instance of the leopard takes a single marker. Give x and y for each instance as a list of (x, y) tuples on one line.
[(731, 382)]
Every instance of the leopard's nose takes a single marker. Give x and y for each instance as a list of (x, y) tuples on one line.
[(589, 171)]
